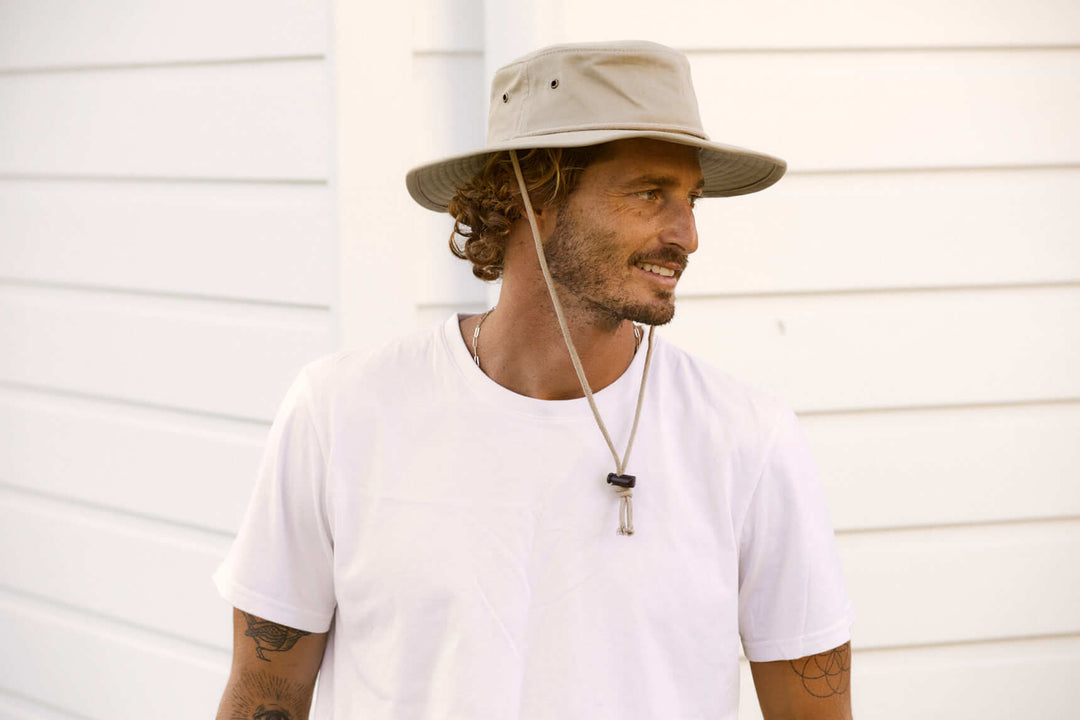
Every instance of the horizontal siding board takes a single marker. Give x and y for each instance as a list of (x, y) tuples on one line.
[(870, 231), (890, 230), (963, 584), (892, 110), (780, 25), (191, 470), (458, 25), (892, 350), (996, 582), (13, 707), (55, 33), (989, 681), (98, 670), (265, 121), (131, 570), (214, 357), (262, 242), (950, 465), (879, 469)]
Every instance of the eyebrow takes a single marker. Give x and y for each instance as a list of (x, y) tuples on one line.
[(660, 181)]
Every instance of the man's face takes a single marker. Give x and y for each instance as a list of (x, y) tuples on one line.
[(621, 239)]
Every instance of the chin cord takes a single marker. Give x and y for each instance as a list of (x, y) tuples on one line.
[(624, 483)]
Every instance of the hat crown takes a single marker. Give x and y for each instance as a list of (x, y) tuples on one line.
[(593, 86)]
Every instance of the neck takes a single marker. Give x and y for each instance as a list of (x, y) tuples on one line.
[(521, 347)]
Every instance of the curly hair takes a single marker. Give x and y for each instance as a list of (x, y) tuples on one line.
[(485, 208)]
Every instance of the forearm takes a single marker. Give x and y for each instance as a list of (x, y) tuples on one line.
[(262, 695)]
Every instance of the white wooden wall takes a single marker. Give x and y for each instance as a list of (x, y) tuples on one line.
[(912, 287), (167, 263), (197, 197)]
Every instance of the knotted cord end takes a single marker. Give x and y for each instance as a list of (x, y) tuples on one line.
[(626, 512)]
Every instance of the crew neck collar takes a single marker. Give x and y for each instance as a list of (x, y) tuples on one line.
[(615, 396)]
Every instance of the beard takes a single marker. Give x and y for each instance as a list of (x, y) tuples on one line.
[(595, 278)]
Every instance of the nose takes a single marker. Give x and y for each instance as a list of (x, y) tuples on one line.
[(680, 227)]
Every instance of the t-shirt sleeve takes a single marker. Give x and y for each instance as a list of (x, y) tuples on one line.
[(792, 598), (280, 566)]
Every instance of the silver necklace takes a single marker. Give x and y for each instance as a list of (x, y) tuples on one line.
[(476, 336)]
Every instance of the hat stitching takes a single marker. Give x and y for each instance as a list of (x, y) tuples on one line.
[(599, 50), (659, 127), (520, 121)]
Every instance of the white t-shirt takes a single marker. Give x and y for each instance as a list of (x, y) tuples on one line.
[(462, 539)]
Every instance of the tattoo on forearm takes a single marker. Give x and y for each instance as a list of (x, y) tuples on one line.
[(826, 674), (262, 696), (271, 637)]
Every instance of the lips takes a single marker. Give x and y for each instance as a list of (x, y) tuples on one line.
[(657, 269), (668, 263)]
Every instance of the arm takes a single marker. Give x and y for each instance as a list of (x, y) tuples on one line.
[(817, 687), (273, 671)]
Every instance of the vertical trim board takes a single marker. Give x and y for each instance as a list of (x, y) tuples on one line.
[(448, 26), (375, 228)]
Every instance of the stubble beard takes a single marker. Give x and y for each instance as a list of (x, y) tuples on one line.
[(578, 260)]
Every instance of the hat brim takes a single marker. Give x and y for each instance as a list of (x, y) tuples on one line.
[(728, 170)]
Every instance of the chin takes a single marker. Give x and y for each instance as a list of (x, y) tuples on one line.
[(651, 314)]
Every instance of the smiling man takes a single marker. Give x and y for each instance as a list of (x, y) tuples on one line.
[(453, 527)]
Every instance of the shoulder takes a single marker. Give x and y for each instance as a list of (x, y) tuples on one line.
[(712, 393), (373, 376), (739, 426)]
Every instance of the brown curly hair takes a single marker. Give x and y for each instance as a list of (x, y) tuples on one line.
[(485, 208)]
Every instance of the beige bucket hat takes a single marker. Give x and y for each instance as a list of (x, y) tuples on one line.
[(591, 93)]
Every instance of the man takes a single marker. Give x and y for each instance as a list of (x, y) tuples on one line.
[(438, 530)]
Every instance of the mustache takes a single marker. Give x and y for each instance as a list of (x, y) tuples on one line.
[(664, 256)]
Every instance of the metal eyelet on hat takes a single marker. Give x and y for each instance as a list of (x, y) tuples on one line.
[(555, 83), (506, 97)]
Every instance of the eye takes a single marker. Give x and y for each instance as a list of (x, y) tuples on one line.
[(693, 200), (651, 194)]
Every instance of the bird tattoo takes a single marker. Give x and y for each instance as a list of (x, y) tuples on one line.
[(271, 637)]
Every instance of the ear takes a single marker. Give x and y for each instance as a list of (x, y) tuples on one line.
[(546, 218)]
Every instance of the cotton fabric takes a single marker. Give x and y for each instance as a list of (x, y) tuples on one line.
[(459, 540)]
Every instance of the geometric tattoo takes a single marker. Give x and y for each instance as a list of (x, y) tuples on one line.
[(259, 696), (271, 637), (826, 674)]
